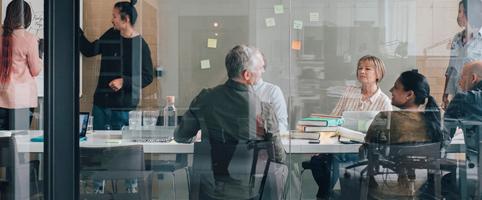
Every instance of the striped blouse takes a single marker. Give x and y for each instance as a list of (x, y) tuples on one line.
[(352, 101)]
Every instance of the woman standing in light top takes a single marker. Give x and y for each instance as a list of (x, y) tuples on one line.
[(19, 64)]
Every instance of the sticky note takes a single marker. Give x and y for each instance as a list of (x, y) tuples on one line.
[(279, 9), (212, 43), (297, 24), (205, 64), (296, 45), (314, 17), (270, 22)]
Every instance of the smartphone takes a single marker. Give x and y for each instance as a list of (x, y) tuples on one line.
[(314, 142)]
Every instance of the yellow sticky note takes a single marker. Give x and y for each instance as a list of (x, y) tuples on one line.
[(297, 24), (279, 9), (270, 22), (205, 64), (212, 43), (314, 16), (296, 45)]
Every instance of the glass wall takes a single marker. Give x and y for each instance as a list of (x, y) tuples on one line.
[(21, 99), (330, 68)]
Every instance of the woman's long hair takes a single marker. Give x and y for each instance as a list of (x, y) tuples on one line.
[(416, 82), (18, 15)]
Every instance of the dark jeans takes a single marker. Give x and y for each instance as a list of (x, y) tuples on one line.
[(15, 119), (326, 170), (109, 119)]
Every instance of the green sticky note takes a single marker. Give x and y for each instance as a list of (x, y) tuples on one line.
[(279, 9), (297, 24)]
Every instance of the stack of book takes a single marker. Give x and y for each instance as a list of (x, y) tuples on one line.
[(319, 123), (311, 127)]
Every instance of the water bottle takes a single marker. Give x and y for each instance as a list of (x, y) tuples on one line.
[(170, 113)]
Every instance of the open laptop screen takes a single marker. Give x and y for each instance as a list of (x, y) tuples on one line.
[(83, 122)]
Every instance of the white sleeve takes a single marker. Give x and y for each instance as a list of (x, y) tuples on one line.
[(279, 105)]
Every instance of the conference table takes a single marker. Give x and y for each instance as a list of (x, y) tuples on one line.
[(291, 146)]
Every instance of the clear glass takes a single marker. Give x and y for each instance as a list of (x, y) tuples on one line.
[(135, 119), (149, 118), (22, 100), (312, 49), (90, 125)]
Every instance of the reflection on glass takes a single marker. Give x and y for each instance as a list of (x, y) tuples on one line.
[(21, 95)]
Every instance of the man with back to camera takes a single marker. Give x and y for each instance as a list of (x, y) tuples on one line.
[(231, 112)]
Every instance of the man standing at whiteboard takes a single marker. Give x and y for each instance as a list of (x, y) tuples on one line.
[(126, 68)]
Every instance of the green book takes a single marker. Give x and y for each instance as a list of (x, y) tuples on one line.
[(318, 121)]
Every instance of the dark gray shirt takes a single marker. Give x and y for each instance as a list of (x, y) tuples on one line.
[(227, 113), (466, 105)]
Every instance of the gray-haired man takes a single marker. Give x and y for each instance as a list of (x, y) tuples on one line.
[(232, 112)]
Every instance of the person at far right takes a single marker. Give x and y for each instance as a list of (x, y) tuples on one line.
[(467, 105)]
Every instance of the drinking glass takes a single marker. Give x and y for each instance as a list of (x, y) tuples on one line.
[(150, 118), (135, 118)]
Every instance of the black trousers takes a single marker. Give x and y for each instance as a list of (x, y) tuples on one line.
[(15, 119)]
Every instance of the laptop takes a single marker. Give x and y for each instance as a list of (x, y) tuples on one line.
[(83, 122), (358, 120)]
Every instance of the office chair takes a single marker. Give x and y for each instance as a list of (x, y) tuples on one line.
[(115, 163), (20, 175), (171, 167), (400, 158), (241, 158), (473, 140)]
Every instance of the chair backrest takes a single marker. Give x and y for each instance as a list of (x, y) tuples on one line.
[(115, 163), (17, 172), (123, 158), (408, 155), (225, 170), (415, 156)]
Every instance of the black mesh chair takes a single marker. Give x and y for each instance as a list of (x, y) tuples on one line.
[(400, 159), (114, 164), (473, 140), (229, 170)]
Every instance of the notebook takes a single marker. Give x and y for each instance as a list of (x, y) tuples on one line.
[(83, 122)]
